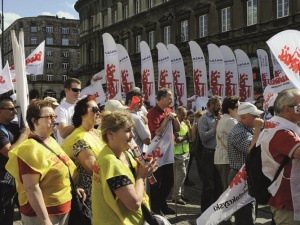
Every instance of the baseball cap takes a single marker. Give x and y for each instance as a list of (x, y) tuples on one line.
[(248, 107), (53, 101), (113, 105)]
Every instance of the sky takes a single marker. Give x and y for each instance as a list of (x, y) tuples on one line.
[(15, 9)]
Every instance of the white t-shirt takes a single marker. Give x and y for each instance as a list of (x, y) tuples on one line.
[(64, 114)]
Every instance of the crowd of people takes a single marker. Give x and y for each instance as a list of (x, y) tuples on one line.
[(80, 141)]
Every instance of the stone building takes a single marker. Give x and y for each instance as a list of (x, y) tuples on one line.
[(62, 51), (239, 24)]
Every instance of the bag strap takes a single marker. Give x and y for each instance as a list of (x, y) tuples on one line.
[(283, 163)]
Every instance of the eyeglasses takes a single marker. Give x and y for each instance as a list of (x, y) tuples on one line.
[(94, 109), (51, 117), (10, 109), (75, 89)]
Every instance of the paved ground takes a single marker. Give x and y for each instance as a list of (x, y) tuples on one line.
[(188, 213)]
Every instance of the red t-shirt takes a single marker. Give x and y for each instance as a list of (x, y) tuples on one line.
[(155, 117), (281, 145)]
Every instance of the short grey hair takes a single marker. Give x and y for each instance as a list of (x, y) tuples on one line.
[(285, 98)]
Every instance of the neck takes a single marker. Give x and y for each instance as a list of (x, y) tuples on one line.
[(87, 127), (161, 106), (115, 150), (70, 101), (5, 122), (40, 136)]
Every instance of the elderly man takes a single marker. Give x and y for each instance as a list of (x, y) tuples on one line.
[(280, 139), (241, 139)]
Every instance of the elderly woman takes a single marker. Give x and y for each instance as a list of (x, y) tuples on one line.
[(84, 144), (118, 180), (42, 178)]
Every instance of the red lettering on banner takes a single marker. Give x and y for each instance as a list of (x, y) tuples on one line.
[(156, 153), (199, 87), (127, 86), (245, 90), (216, 87), (277, 73), (230, 88), (241, 175), (271, 124), (1, 80), (96, 169), (96, 95), (163, 80), (279, 80), (112, 83), (147, 86), (14, 80), (97, 78), (290, 60), (268, 98), (36, 57), (178, 86), (264, 80)]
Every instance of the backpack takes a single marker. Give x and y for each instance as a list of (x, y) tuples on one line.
[(258, 183)]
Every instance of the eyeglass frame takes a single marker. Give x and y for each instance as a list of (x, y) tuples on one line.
[(75, 89), (51, 117), (10, 109), (94, 109)]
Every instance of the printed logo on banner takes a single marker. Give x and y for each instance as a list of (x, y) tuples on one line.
[(292, 60), (178, 86), (2, 81), (245, 90), (217, 88), (127, 86), (199, 87), (229, 86), (147, 86), (163, 81), (112, 83)]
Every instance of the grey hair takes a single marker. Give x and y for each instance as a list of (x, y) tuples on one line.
[(285, 98)]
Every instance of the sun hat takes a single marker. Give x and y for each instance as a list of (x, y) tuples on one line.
[(248, 107)]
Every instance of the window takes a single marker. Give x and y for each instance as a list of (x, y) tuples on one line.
[(65, 66), (185, 30), (64, 77), (251, 12), (282, 8), (49, 77), (49, 41), (114, 16), (65, 30), (33, 77), (33, 29), (65, 53), (137, 6), (49, 65), (125, 11), (203, 29), (137, 43), (167, 37), (49, 29), (225, 15), (65, 41), (105, 20), (125, 44), (33, 41), (91, 22), (150, 4), (49, 52), (151, 39)]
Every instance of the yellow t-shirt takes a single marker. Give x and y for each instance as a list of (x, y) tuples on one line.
[(107, 208), (54, 180)]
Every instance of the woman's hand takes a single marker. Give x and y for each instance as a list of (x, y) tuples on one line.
[(149, 168), (81, 194)]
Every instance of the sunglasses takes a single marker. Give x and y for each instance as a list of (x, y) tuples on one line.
[(75, 89), (10, 109), (94, 109), (51, 117)]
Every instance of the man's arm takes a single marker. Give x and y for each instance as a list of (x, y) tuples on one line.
[(65, 130), (169, 117), (258, 125), (204, 131)]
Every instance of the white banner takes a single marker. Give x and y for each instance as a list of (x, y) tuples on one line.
[(165, 77), (199, 70), (264, 68), (99, 76), (231, 72), (285, 47), (201, 103), (148, 82), (34, 62), (112, 67), (162, 147), (178, 72), (95, 89), (277, 70), (5, 80), (235, 197), (127, 77), (216, 70), (245, 76)]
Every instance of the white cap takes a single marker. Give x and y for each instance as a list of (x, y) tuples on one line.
[(248, 107), (113, 105), (53, 101), (14, 96)]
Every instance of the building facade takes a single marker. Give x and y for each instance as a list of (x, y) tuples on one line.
[(61, 51), (239, 24)]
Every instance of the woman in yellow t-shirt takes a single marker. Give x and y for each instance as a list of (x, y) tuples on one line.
[(84, 144), (42, 178), (118, 181)]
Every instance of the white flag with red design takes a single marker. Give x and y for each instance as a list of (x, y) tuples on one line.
[(264, 68), (34, 62), (178, 72), (165, 77), (112, 67), (245, 76), (127, 77), (235, 197), (5, 80), (286, 49), (95, 89), (231, 72), (199, 70), (216, 70), (148, 83), (162, 147), (99, 76)]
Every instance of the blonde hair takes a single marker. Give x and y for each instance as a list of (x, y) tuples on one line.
[(198, 114)]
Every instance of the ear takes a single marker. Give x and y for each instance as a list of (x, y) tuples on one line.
[(34, 121)]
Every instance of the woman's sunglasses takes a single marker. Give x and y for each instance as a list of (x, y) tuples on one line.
[(94, 109)]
